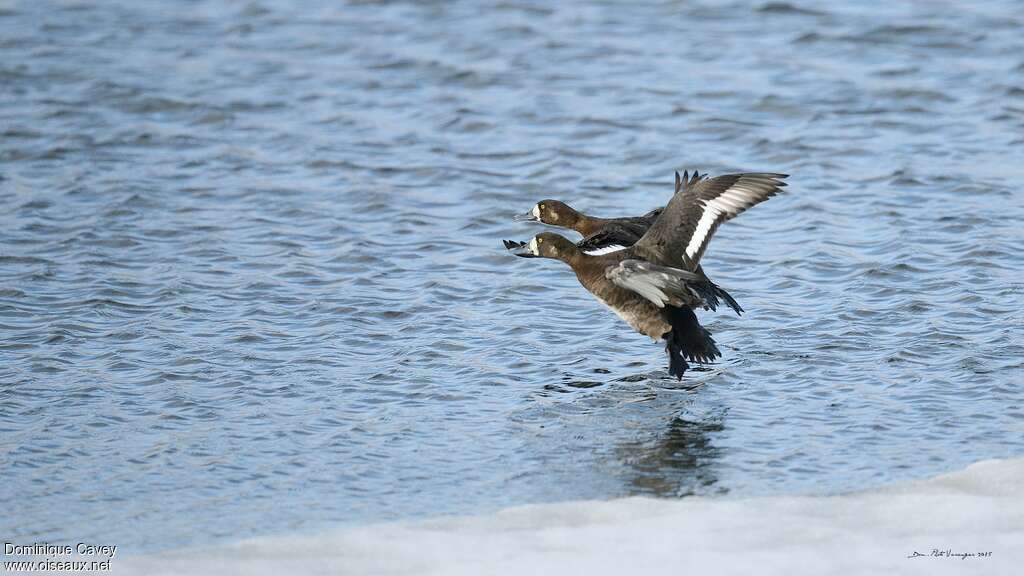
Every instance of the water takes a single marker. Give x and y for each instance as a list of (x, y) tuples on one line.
[(252, 280)]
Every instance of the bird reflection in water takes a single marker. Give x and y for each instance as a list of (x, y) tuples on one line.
[(678, 463)]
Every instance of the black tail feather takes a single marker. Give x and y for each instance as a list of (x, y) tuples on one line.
[(712, 294), (729, 300), (677, 365), (687, 340)]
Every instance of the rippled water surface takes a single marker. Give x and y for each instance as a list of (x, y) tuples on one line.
[(252, 280)]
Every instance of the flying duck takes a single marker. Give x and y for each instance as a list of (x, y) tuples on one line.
[(600, 233), (609, 241), (603, 235), (654, 284), (608, 233)]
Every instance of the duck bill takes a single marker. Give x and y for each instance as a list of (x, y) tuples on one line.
[(520, 249), (527, 217)]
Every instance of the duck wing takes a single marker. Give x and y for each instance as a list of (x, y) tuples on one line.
[(651, 216), (686, 181), (680, 235), (662, 285), (681, 182), (611, 238)]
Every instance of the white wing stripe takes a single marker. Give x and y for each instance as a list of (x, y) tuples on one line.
[(732, 204), (729, 203), (604, 250), (707, 219)]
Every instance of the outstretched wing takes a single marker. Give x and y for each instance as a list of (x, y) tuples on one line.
[(652, 215), (681, 234), (663, 285), (686, 181), (611, 238)]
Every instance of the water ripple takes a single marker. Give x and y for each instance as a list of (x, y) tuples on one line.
[(250, 265)]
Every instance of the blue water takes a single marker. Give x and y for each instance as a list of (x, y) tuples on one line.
[(252, 280)]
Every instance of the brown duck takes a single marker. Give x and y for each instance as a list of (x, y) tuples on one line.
[(599, 234), (655, 284), (604, 235)]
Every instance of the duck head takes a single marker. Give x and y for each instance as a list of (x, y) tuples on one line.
[(553, 212), (544, 245)]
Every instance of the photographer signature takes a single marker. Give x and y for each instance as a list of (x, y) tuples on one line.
[(948, 553)]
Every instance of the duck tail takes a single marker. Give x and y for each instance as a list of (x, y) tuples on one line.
[(677, 365), (729, 300), (687, 340)]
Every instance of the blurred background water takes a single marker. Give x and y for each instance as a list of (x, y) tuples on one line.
[(252, 280)]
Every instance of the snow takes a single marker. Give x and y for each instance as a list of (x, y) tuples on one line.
[(977, 510)]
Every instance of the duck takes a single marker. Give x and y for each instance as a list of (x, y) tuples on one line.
[(606, 234), (600, 234), (654, 284), (610, 241), (603, 235)]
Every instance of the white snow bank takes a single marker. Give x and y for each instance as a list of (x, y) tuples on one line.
[(977, 510)]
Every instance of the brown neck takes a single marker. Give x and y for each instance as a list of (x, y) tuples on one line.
[(573, 257), (569, 254), (588, 225)]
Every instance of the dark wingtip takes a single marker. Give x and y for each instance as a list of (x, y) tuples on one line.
[(729, 300), (510, 244)]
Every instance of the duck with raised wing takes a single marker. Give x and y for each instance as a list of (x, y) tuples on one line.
[(600, 234), (604, 235), (653, 285)]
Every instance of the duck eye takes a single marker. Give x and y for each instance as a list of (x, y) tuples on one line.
[(541, 206), (540, 240)]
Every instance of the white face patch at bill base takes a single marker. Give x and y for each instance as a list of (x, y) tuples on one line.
[(604, 250), (534, 249), (536, 211)]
